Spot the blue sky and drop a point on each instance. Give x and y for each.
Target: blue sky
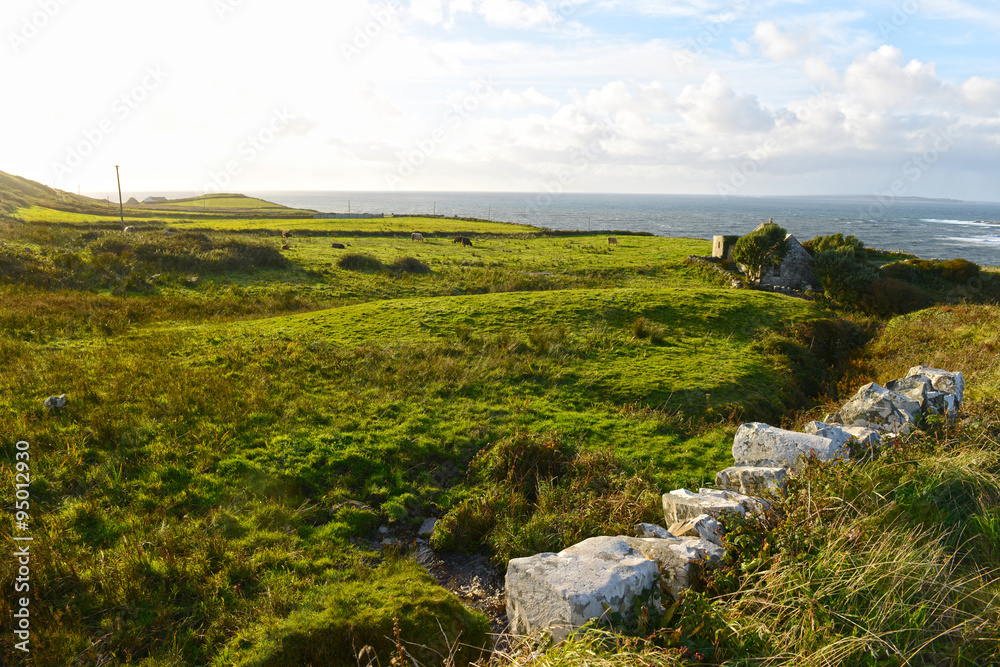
(748, 97)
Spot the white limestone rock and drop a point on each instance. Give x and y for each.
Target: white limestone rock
(948, 382)
(880, 409)
(651, 530)
(866, 437)
(559, 593)
(752, 480)
(701, 527)
(759, 444)
(680, 559)
(681, 504)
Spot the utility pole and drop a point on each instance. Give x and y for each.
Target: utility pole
(121, 206)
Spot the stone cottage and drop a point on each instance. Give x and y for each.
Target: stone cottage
(795, 271)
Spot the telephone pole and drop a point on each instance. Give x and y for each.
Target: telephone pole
(121, 206)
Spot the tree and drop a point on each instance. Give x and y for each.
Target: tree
(761, 250)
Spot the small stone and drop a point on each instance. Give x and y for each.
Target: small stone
(55, 402)
(681, 504)
(702, 527)
(427, 527)
(651, 530)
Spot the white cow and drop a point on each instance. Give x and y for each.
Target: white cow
(416, 236)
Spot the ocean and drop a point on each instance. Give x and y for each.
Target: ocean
(933, 229)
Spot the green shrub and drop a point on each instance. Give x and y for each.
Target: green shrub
(398, 606)
(760, 250)
(933, 274)
(887, 296)
(642, 327)
(844, 275)
(359, 262)
(849, 243)
(409, 265)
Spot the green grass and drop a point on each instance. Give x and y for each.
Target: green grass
(242, 419)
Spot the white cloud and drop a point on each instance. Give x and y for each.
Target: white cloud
(714, 106)
(819, 71)
(775, 44)
(880, 80)
(526, 99)
(982, 93)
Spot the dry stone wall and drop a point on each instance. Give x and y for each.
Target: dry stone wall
(558, 593)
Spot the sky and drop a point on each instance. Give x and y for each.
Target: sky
(730, 97)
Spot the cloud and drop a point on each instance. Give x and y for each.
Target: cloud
(981, 93)
(526, 99)
(773, 43)
(880, 81)
(714, 106)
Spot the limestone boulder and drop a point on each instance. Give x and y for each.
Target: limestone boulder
(878, 408)
(559, 592)
(866, 437)
(752, 480)
(759, 444)
(681, 504)
(702, 527)
(680, 559)
(948, 382)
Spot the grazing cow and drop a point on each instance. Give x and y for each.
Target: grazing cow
(464, 240)
(285, 246)
(416, 236)
(129, 229)
(338, 246)
(286, 235)
(612, 240)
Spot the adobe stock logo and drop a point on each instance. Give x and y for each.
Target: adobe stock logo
(123, 107)
(250, 148)
(33, 24)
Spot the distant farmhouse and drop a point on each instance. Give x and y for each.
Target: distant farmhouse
(795, 271)
(132, 200)
(153, 200)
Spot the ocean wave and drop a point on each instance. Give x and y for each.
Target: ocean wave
(975, 240)
(973, 223)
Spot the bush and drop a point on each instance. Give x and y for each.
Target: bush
(191, 252)
(761, 250)
(849, 243)
(409, 265)
(642, 327)
(844, 275)
(887, 296)
(933, 274)
(359, 262)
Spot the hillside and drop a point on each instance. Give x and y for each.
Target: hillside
(254, 435)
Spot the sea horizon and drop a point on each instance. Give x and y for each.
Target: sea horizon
(938, 228)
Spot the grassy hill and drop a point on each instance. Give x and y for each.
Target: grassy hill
(243, 419)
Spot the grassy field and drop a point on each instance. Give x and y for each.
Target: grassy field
(243, 419)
